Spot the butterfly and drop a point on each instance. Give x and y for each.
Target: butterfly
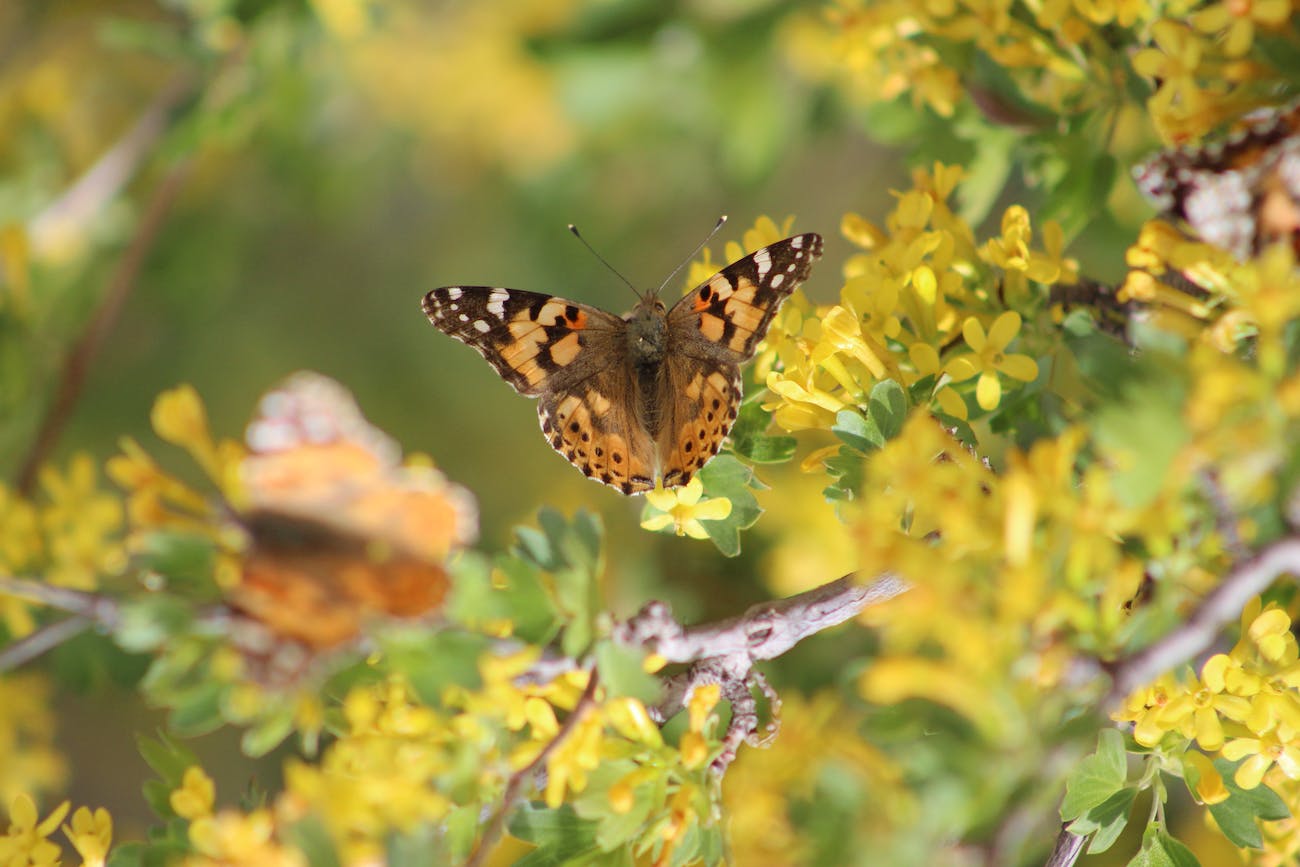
(1242, 191)
(338, 530)
(643, 398)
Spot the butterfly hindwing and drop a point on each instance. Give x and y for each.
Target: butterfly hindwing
(594, 427)
(703, 396)
(534, 341)
(730, 312)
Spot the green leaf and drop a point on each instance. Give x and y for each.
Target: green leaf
(312, 838)
(724, 476)
(167, 758)
(750, 440)
(857, 431)
(887, 406)
(269, 732)
(146, 623)
(1106, 820)
(197, 711)
(1141, 436)
(1237, 815)
(560, 835)
(433, 661)
(1161, 850)
(1098, 777)
(621, 672)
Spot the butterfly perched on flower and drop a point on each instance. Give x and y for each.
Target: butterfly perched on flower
(643, 398)
(339, 530)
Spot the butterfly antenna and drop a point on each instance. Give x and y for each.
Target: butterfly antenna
(574, 230)
(694, 253)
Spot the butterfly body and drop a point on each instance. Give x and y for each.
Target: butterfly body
(634, 399)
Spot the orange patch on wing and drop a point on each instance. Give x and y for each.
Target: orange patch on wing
(712, 327)
(564, 351)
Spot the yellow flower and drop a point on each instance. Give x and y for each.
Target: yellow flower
(1209, 783)
(683, 509)
(1276, 747)
(1235, 21)
(1196, 711)
(91, 835)
(26, 842)
(990, 358)
(234, 839)
(81, 524)
(194, 799)
(178, 417)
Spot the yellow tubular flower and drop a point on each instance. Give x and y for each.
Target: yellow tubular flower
(91, 835)
(1209, 785)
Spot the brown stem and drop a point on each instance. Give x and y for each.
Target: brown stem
(496, 826)
(73, 378)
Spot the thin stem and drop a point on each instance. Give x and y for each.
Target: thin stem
(120, 286)
(48, 637)
(514, 787)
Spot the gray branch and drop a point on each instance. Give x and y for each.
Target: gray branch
(725, 652)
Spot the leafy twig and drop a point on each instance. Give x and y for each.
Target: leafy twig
(514, 787)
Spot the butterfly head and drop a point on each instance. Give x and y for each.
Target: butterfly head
(647, 330)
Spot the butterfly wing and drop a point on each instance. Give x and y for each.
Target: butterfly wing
(727, 315)
(536, 342)
(712, 329)
(339, 531)
(571, 356)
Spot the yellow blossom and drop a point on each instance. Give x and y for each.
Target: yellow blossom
(233, 839)
(196, 795)
(81, 524)
(27, 838)
(1235, 22)
(1209, 786)
(91, 835)
(990, 358)
(683, 509)
(1279, 746)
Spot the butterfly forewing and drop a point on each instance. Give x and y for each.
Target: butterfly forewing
(730, 312)
(533, 341)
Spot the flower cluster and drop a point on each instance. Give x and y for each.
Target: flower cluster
(1243, 705)
(68, 536)
(1059, 55)
(923, 306)
(400, 765)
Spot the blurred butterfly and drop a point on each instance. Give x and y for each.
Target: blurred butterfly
(339, 531)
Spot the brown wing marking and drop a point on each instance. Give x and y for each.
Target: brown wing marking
(596, 435)
(707, 396)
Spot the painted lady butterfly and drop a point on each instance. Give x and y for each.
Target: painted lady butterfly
(647, 397)
(338, 530)
(1240, 193)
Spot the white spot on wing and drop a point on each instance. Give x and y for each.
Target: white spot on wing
(777, 280)
(482, 327)
(454, 292)
(797, 242)
(763, 260)
(496, 303)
